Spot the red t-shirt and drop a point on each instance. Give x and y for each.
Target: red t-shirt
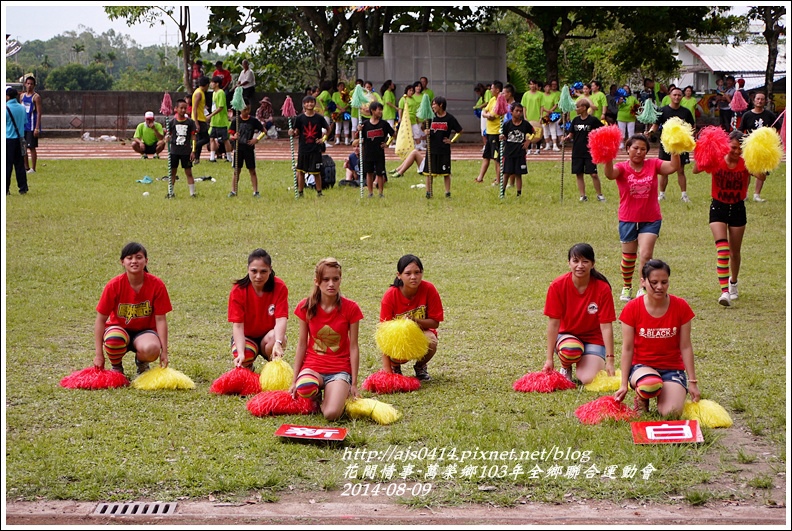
(638, 192)
(730, 186)
(425, 304)
(258, 313)
(328, 336)
(580, 313)
(225, 74)
(657, 338)
(134, 311)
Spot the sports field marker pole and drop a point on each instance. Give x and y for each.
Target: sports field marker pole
(167, 108)
(289, 112)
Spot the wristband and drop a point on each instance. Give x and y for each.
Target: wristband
(279, 342)
(693, 381)
(611, 356)
(456, 137)
(261, 135)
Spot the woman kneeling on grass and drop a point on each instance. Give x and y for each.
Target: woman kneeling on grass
(327, 352)
(131, 315)
(411, 297)
(258, 307)
(656, 346)
(580, 307)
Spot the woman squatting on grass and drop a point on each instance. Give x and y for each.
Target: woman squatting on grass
(131, 313)
(656, 347)
(327, 354)
(412, 297)
(639, 208)
(258, 307)
(580, 308)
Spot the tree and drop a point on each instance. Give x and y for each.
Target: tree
(78, 77)
(772, 18)
(152, 15)
(78, 48)
(98, 57)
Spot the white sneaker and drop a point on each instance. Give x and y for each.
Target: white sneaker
(724, 299)
(583, 198)
(600, 197)
(547, 147)
(338, 141)
(626, 295)
(758, 199)
(685, 198)
(536, 152)
(733, 292)
(31, 170)
(347, 142)
(555, 148)
(661, 196)
(640, 292)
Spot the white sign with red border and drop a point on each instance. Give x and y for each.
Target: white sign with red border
(667, 431)
(316, 433)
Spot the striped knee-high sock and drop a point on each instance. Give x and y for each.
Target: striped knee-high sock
(628, 267)
(722, 247)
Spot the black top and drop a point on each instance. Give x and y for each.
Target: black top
(515, 138)
(580, 130)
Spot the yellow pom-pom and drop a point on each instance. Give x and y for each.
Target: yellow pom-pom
(602, 383)
(276, 375)
(677, 136)
(380, 412)
(163, 378)
(762, 150)
(401, 339)
(709, 413)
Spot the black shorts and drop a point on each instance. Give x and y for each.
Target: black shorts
(684, 157)
(220, 133)
(492, 147)
(310, 162)
(440, 164)
(134, 335)
(375, 165)
(515, 166)
(583, 165)
(31, 140)
(203, 128)
(247, 155)
(149, 149)
(732, 215)
(186, 163)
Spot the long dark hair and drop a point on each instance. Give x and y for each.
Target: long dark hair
(584, 250)
(402, 264)
(133, 248)
(315, 297)
(386, 86)
(653, 265)
(259, 254)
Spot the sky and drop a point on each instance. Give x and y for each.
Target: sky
(26, 21)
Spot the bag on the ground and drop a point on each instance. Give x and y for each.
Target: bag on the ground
(328, 172)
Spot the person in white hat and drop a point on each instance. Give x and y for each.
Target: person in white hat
(149, 137)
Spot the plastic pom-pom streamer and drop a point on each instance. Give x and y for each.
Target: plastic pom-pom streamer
(711, 147)
(762, 150)
(603, 143)
(277, 375)
(166, 108)
(94, 378)
(543, 382)
(237, 381)
(738, 103)
(385, 383)
(677, 136)
(710, 414)
(238, 101)
(401, 339)
(649, 113)
(162, 378)
(379, 412)
(279, 403)
(287, 109)
(501, 105)
(359, 97)
(566, 103)
(425, 109)
(605, 407)
(602, 383)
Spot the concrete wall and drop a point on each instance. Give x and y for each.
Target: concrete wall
(72, 113)
(453, 62)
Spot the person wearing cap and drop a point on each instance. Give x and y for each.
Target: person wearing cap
(15, 132)
(247, 80)
(149, 137)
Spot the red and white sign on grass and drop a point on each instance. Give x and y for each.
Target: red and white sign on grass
(667, 431)
(317, 433)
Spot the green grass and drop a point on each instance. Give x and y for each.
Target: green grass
(491, 260)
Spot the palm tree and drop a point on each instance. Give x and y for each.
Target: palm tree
(98, 57)
(78, 48)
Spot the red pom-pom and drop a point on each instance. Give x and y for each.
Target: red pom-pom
(94, 378)
(280, 403)
(605, 407)
(603, 143)
(738, 103)
(543, 382)
(167, 106)
(501, 105)
(385, 383)
(711, 147)
(287, 110)
(237, 381)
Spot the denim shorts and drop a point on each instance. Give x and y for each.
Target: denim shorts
(589, 348)
(629, 230)
(668, 375)
(333, 376)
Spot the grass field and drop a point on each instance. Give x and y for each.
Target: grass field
(491, 261)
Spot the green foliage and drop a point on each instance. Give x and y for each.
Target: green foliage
(164, 78)
(78, 77)
(62, 244)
